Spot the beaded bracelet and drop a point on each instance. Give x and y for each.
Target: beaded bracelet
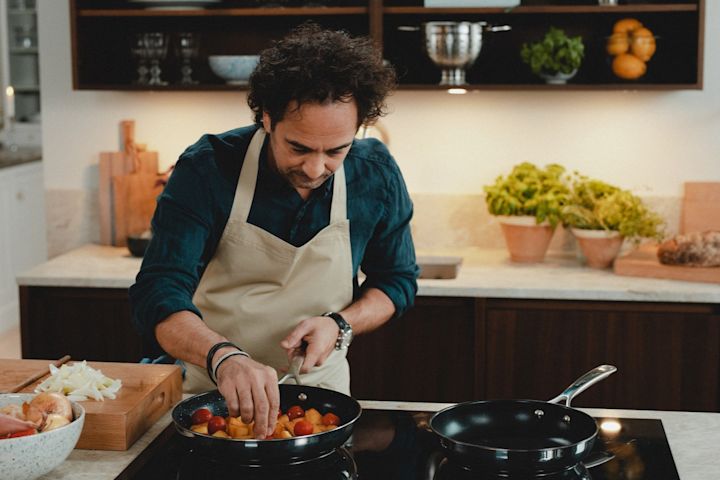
(211, 354)
(222, 359)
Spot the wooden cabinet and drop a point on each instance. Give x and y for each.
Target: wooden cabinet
(426, 355)
(103, 33)
(456, 349)
(668, 355)
(85, 323)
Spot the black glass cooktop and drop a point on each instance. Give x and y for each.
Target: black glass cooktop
(397, 445)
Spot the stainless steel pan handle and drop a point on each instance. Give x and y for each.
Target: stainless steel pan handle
(584, 382)
(296, 364)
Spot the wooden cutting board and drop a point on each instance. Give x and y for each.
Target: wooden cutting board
(127, 189)
(148, 391)
(700, 207)
(643, 262)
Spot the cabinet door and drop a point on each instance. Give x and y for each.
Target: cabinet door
(28, 241)
(8, 303)
(426, 355)
(85, 323)
(666, 354)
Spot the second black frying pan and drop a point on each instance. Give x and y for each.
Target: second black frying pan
(273, 450)
(520, 435)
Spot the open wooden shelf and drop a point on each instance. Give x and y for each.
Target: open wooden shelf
(102, 59)
(559, 9)
(225, 12)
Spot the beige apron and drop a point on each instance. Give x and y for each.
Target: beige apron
(257, 287)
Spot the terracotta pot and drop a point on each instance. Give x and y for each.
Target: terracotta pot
(600, 247)
(526, 241)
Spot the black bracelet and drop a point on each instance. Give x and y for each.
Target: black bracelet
(213, 377)
(211, 354)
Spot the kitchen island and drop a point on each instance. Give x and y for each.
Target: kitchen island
(498, 330)
(693, 439)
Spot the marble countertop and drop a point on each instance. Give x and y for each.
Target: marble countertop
(485, 273)
(9, 158)
(693, 439)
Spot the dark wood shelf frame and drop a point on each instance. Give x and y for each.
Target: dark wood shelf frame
(494, 69)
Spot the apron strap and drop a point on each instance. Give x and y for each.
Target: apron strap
(338, 207)
(245, 190)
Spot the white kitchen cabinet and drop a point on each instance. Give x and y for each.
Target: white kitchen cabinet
(23, 241)
(19, 65)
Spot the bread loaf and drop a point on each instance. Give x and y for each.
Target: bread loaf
(696, 249)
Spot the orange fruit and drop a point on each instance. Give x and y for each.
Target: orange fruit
(643, 44)
(626, 25)
(628, 66)
(618, 43)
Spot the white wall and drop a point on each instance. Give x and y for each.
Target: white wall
(648, 141)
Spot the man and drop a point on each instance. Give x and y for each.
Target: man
(260, 231)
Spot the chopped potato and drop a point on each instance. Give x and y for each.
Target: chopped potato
(313, 416)
(221, 433)
(200, 428)
(237, 431)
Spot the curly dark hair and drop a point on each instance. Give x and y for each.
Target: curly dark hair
(315, 65)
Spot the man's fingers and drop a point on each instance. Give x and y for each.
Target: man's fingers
(273, 393)
(231, 400)
(246, 403)
(262, 407)
(312, 358)
(294, 339)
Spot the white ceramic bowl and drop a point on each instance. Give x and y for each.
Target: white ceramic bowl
(25, 458)
(234, 69)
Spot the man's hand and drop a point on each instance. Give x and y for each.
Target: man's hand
(320, 333)
(251, 390)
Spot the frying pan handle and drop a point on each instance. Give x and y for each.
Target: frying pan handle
(584, 382)
(597, 458)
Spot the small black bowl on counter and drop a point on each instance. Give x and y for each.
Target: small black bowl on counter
(137, 244)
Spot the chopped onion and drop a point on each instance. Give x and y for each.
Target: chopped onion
(79, 382)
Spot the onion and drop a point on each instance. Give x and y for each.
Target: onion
(80, 382)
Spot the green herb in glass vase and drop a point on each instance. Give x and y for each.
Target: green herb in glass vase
(556, 58)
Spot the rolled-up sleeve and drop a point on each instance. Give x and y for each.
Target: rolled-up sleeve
(389, 262)
(174, 262)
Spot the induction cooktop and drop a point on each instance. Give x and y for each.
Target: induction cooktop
(397, 445)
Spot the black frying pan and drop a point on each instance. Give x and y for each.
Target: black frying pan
(274, 450)
(520, 435)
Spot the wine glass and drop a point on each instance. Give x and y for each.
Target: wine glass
(157, 45)
(186, 48)
(140, 52)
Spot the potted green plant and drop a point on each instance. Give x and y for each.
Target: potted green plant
(528, 203)
(601, 216)
(556, 57)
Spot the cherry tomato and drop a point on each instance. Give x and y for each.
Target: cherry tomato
(23, 433)
(201, 415)
(330, 419)
(303, 427)
(295, 412)
(216, 423)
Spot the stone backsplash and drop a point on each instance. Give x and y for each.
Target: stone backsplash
(440, 221)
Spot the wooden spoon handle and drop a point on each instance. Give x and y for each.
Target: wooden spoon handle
(36, 376)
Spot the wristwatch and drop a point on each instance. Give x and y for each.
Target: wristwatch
(346, 334)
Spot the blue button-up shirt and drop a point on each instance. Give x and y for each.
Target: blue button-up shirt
(194, 207)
